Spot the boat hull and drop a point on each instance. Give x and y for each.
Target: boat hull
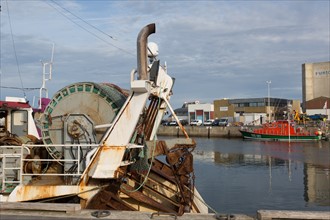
(270, 137)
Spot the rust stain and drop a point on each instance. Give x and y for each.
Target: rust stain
(127, 112)
(112, 148)
(36, 192)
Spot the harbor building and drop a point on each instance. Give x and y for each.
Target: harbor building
(200, 111)
(194, 111)
(254, 110)
(315, 83)
(320, 105)
(182, 113)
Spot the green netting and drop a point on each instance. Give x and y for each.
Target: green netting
(141, 166)
(117, 97)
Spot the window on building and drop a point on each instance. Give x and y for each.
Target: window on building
(245, 104)
(192, 116)
(206, 116)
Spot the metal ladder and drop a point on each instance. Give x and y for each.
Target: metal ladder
(8, 168)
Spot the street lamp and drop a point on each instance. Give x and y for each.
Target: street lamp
(268, 108)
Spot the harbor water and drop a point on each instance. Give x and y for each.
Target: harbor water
(240, 176)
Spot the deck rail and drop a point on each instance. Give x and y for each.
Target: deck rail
(14, 158)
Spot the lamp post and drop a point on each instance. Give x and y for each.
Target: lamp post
(268, 108)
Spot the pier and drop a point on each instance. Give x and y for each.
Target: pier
(201, 131)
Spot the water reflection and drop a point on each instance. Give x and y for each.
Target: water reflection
(244, 176)
(317, 187)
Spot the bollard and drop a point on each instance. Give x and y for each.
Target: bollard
(208, 131)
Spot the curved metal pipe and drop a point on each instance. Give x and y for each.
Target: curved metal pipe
(142, 40)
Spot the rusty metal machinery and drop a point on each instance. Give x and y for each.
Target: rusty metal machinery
(168, 187)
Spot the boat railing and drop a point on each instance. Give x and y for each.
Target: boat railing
(10, 166)
(14, 160)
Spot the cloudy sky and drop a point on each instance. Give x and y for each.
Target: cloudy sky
(214, 49)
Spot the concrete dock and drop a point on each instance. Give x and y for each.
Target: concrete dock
(43, 211)
(201, 131)
(51, 211)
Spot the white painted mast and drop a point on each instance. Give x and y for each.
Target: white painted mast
(46, 76)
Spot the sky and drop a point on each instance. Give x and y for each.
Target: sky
(213, 49)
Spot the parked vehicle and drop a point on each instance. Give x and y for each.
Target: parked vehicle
(317, 117)
(216, 122)
(175, 123)
(208, 122)
(223, 122)
(165, 122)
(184, 122)
(196, 122)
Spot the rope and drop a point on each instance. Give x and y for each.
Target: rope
(202, 201)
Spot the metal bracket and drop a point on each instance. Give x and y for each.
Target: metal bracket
(163, 213)
(101, 213)
(131, 146)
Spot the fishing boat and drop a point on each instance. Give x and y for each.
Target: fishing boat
(282, 130)
(95, 146)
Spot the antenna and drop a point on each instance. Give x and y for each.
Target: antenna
(46, 76)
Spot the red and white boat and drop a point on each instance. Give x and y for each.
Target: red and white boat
(282, 130)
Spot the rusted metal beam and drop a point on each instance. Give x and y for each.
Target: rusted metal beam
(139, 196)
(156, 184)
(108, 200)
(151, 116)
(163, 170)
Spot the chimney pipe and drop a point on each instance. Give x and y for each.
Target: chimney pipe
(142, 50)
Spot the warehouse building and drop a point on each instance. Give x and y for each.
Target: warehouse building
(200, 111)
(315, 84)
(255, 110)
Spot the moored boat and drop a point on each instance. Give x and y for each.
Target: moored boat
(281, 130)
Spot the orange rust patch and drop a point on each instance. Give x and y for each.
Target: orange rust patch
(33, 192)
(107, 148)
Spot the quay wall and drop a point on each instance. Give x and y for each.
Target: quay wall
(214, 131)
(200, 131)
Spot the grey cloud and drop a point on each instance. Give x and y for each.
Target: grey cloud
(214, 49)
